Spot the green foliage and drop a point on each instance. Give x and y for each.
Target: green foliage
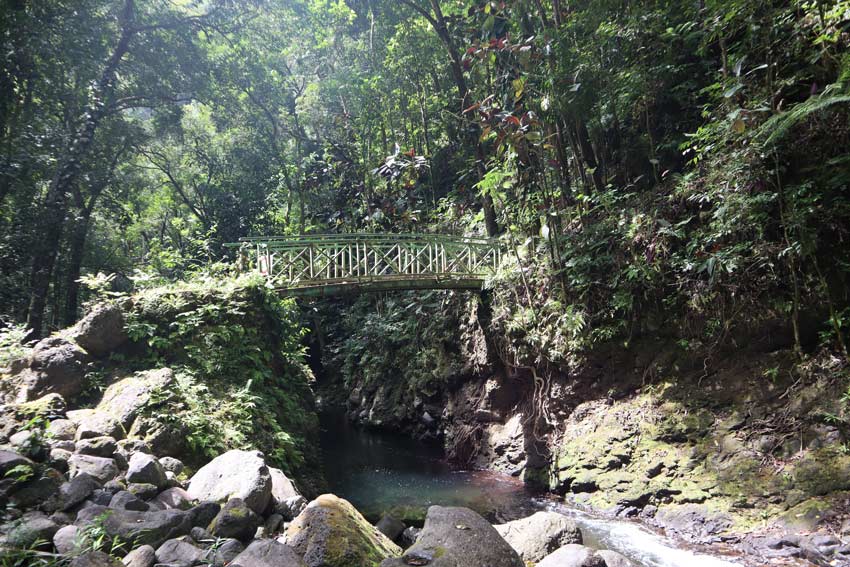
(236, 350)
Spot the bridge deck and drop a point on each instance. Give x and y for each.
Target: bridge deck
(337, 263)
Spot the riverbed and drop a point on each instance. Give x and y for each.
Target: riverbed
(381, 473)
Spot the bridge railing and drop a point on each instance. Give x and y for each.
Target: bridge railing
(304, 261)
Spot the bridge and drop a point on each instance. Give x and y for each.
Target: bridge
(330, 264)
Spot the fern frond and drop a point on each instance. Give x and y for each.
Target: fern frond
(778, 126)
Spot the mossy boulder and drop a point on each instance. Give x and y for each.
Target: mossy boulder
(330, 532)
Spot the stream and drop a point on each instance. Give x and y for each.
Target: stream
(382, 473)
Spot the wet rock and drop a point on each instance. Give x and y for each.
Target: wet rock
(614, 559)
(457, 536)
(125, 398)
(538, 535)
(573, 555)
(391, 527)
(101, 331)
(144, 556)
(144, 468)
(174, 498)
(235, 474)
(331, 533)
(57, 366)
(100, 468)
(65, 539)
(179, 552)
(126, 501)
(97, 446)
(269, 553)
(235, 520)
(30, 528)
(95, 559)
(134, 528)
(73, 492)
(99, 424)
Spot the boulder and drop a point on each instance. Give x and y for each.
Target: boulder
(282, 487)
(138, 528)
(179, 552)
(144, 556)
(614, 559)
(457, 537)
(540, 534)
(268, 553)
(124, 500)
(99, 424)
(174, 498)
(331, 533)
(58, 459)
(31, 528)
(101, 468)
(73, 492)
(203, 514)
(101, 331)
(127, 447)
(62, 430)
(10, 459)
(125, 398)
(227, 551)
(391, 527)
(57, 366)
(146, 469)
(36, 491)
(166, 439)
(143, 490)
(235, 520)
(573, 555)
(235, 474)
(95, 559)
(97, 446)
(65, 539)
(291, 507)
(170, 464)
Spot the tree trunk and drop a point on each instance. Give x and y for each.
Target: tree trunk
(75, 262)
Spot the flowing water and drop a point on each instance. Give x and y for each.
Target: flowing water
(381, 473)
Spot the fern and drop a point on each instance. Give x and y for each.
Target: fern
(777, 127)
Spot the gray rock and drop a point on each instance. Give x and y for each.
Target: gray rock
(126, 501)
(540, 534)
(143, 490)
(101, 497)
(101, 331)
(165, 439)
(176, 498)
(273, 523)
(62, 430)
(235, 520)
(204, 513)
(138, 528)
(282, 488)
(24, 441)
(99, 424)
(201, 536)
(144, 468)
(235, 474)
(614, 559)
(56, 366)
(178, 552)
(291, 507)
(125, 398)
(73, 492)
(127, 447)
(170, 464)
(453, 537)
(115, 485)
(65, 539)
(29, 529)
(227, 552)
(58, 459)
(409, 536)
(391, 527)
(36, 491)
(101, 468)
(97, 446)
(268, 553)
(95, 559)
(573, 555)
(144, 556)
(10, 460)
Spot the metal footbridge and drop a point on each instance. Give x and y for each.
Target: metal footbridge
(330, 264)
